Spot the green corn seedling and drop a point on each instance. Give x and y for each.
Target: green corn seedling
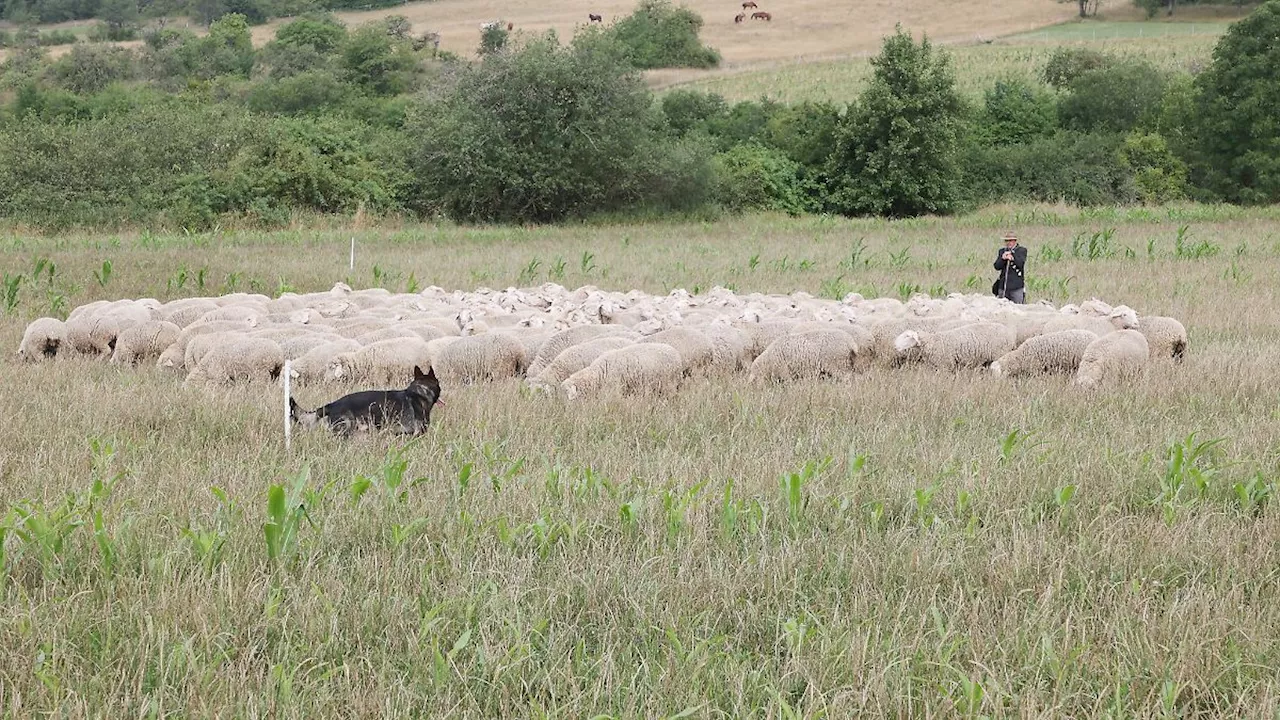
(285, 513)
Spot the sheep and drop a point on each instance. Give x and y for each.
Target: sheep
(884, 334)
(1119, 318)
(861, 335)
(637, 369)
(93, 335)
(761, 333)
(387, 361)
(1056, 352)
(203, 328)
(1166, 337)
(575, 358)
(42, 339)
(296, 347)
(248, 314)
(388, 333)
(696, 349)
(572, 336)
(1119, 355)
(728, 347)
(489, 356)
(185, 311)
(312, 365)
(812, 354)
(966, 347)
(144, 341)
(238, 360)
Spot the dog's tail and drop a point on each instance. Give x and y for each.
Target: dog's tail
(303, 417)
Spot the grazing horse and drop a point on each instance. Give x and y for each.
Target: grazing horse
(595, 18)
(739, 17)
(761, 16)
(749, 4)
(511, 26)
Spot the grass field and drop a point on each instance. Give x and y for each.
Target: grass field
(800, 29)
(908, 544)
(977, 67)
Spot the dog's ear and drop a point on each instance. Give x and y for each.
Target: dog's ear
(431, 373)
(417, 374)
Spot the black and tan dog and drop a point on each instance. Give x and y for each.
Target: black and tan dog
(407, 411)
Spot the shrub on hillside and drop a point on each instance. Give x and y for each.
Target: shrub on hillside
(1015, 111)
(805, 132)
(1158, 175)
(895, 151)
(1120, 97)
(687, 110)
(752, 176)
(660, 35)
(377, 61)
(90, 68)
(543, 132)
(1068, 63)
(1080, 169)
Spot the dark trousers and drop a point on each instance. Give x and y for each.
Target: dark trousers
(1018, 296)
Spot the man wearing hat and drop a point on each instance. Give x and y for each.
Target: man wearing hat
(1010, 262)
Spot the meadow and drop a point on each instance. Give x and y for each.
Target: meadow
(1183, 48)
(906, 544)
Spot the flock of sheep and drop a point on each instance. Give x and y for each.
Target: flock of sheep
(587, 341)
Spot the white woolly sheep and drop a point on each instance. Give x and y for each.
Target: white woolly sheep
(312, 365)
(966, 347)
(693, 346)
(42, 339)
(1121, 317)
(1166, 337)
(812, 354)
(575, 358)
(186, 311)
(384, 362)
(144, 341)
(728, 347)
(1116, 356)
(885, 333)
(638, 369)
(93, 335)
(1056, 352)
(489, 356)
(296, 347)
(762, 333)
(572, 336)
(238, 360)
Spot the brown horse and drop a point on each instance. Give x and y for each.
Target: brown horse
(595, 18)
(761, 16)
(739, 17)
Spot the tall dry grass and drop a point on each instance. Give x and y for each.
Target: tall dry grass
(906, 544)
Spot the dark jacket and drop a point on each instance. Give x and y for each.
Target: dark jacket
(1015, 279)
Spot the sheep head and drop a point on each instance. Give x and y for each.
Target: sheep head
(907, 340)
(1124, 317)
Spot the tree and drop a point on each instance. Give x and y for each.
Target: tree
(1118, 97)
(659, 35)
(895, 150)
(1014, 111)
(1239, 110)
(377, 61)
(121, 17)
(542, 132)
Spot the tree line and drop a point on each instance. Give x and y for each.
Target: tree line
(191, 129)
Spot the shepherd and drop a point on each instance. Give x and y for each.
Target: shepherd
(1011, 262)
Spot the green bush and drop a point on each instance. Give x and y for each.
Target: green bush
(687, 110)
(88, 69)
(1120, 97)
(1015, 111)
(321, 31)
(805, 132)
(1070, 167)
(1068, 63)
(752, 176)
(544, 132)
(1158, 175)
(314, 92)
(117, 168)
(660, 35)
(492, 39)
(378, 62)
(1238, 104)
(895, 151)
(50, 38)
